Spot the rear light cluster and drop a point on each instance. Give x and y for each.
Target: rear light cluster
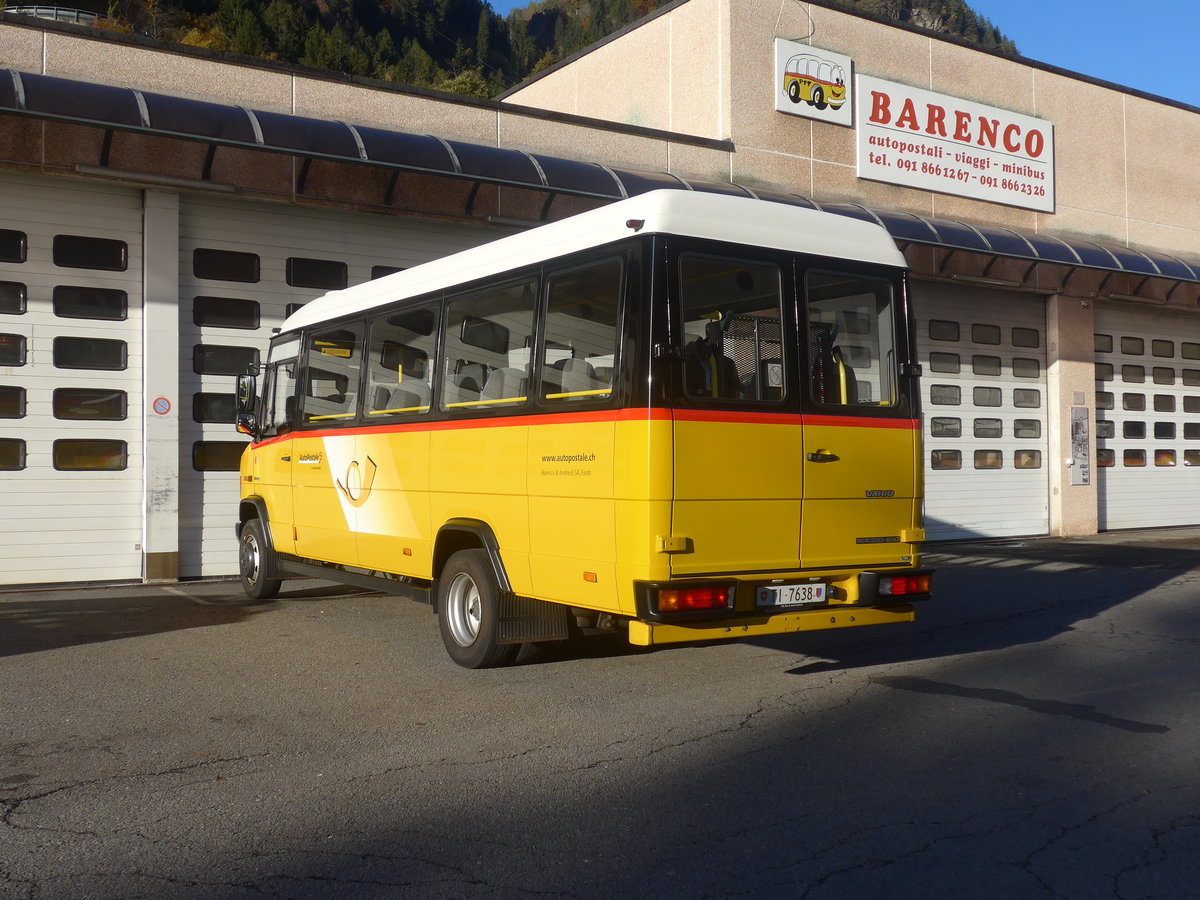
(905, 585)
(696, 597)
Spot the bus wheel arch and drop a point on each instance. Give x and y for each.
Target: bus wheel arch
(468, 607)
(256, 561)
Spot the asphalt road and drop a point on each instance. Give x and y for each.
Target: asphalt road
(1034, 734)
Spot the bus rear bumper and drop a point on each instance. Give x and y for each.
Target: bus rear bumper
(649, 634)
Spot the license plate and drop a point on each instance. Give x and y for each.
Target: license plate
(786, 595)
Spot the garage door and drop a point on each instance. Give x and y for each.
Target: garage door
(243, 268)
(984, 396)
(1148, 417)
(70, 381)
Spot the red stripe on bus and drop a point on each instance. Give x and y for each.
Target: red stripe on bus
(653, 414)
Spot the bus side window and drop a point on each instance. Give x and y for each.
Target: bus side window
(332, 375)
(489, 335)
(579, 349)
(401, 361)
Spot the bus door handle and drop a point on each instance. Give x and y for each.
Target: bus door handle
(285, 459)
(823, 456)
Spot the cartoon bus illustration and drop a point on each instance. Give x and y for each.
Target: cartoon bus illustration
(816, 81)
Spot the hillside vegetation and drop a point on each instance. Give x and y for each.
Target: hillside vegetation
(453, 45)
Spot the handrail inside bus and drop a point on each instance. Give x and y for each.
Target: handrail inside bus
(402, 409)
(491, 402)
(604, 392)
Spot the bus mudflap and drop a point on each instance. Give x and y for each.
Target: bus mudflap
(525, 620)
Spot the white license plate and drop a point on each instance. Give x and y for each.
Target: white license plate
(784, 595)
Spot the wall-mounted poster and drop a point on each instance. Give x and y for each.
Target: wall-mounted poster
(936, 142)
(812, 82)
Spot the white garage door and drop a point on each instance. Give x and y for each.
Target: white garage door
(243, 267)
(1148, 417)
(70, 381)
(984, 397)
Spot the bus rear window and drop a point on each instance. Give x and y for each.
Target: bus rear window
(851, 340)
(732, 341)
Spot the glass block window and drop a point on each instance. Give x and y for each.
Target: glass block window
(1026, 368)
(1191, 431)
(1163, 375)
(1164, 458)
(945, 394)
(1133, 346)
(12, 454)
(90, 455)
(326, 274)
(1164, 403)
(214, 407)
(225, 312)
(947, 363)
(12, 401)
(217, 456)
(985, 334)
(12, 349)
(1027, 398)
(98, 404)
(943, 330)
(1162, 349)
(1133, 374)
(12, 298)
(1106, 429)
(225, 265)
(985, 365)
(1164, 431)
(1191, 457)
(1027, 429)
(71, 302)
(1026, 337)
(1106, 459)
(988, 396)
(1134, 458)
(1104, 372)
(1104, 343)
(90, 353)
(13, 246)
(1105, 400)
(1189, 350)
(76, 251)
(1027, 459)
(942, 426)
(989, 428)
(215, 359)
(989, 459)
(1133, 402)
(1134, 431)
(942, 460)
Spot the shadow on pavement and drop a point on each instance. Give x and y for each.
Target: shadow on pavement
(49, 620)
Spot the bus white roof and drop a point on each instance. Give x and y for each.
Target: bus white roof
(736, 220)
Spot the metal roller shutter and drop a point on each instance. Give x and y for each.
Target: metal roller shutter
(1148, 417)
(243, 266)
(70, 381)
(984, 396)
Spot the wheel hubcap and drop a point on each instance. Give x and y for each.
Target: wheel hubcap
(250, 559)
(463, 610)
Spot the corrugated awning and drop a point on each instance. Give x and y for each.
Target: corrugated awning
(126, 109)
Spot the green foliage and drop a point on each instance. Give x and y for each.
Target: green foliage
(453, 45)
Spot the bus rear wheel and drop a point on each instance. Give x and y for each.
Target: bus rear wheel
(468, 612)
(254, 558)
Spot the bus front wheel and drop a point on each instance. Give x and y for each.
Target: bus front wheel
(468, 612)
(254, 556)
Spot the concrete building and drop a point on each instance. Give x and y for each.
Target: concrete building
(163, 209)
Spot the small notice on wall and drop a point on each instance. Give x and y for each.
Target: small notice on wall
(813, 83)
(934, 142)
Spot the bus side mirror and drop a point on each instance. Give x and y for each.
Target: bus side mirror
(247, 391)
(247, 423)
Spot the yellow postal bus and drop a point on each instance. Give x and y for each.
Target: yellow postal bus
(688, 416)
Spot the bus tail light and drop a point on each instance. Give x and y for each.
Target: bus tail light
(908, 584)
(684, 600)
(700, 597)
